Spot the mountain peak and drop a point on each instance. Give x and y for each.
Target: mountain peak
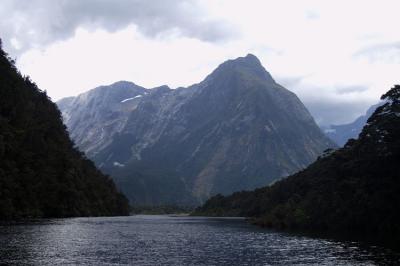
(122, 83)
(248, 60)
(249, 65)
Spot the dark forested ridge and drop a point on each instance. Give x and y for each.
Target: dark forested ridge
(354, 191)
(41, 173)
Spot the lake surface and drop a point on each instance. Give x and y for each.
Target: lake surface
(167, 240)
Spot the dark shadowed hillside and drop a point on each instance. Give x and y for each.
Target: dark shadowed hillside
(354, 191)
(41, 174)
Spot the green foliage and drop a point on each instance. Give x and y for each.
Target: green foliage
(41, 173)
(353, 191)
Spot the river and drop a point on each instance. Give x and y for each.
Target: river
(173, 240)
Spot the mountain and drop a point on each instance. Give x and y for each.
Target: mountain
(41, 174)
(238, 129)
(353, 191)
(340, 134)
(103, 112)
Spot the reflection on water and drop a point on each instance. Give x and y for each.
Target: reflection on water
(155, 240)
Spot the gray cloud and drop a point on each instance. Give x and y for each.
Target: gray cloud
(328, 108)
(327, 112)
(36, 23)
(351, 89)
(385, 52)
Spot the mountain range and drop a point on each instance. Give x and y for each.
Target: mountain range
(237, 129)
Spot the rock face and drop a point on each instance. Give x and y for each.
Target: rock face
(95, 116)
(238, 129)
(340, 134)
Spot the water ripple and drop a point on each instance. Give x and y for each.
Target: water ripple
(165, 240)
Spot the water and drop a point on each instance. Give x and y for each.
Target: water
(166, 240)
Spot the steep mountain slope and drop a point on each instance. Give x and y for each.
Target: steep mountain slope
(102, 111)
(354, 191)
(340, 134)
(41, 174)
(237, 129)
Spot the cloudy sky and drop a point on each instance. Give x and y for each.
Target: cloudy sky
(337, 56)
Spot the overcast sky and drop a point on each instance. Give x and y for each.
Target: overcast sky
(337, 56)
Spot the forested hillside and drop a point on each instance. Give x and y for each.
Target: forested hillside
(41, 173)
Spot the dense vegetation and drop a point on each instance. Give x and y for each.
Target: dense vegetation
(353, 191)
(41, 173)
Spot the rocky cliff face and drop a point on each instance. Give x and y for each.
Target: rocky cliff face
(238, 129)
(95, 116)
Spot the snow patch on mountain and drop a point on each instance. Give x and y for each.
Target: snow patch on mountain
(330, 130)
(117, 164)
(129, 99)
